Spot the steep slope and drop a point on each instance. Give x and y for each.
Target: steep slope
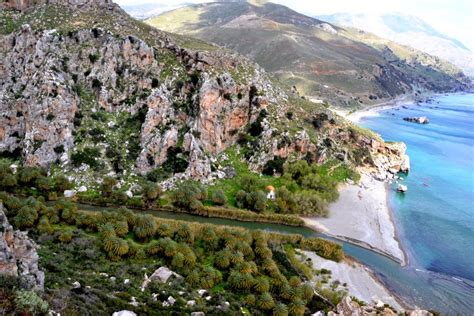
(309, 53)
(85, 87)
(412, 31)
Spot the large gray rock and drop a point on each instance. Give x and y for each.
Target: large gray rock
(18, 256)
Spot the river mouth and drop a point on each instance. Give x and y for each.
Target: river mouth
(415, 288)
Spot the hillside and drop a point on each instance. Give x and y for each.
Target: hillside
(315, 56)
(411, 31)
(176, 107)
(104, 110)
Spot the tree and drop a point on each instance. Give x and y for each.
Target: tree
(62, 183)
(189, 195)
(223, 258)
(178, 260)
(284, 202)
(297, 307)
(121, 228)
(298, 170)
(8, 182)
(265, 301)
(280, 310)
(309, 203)
(184, 234)
(28, 175)
(26, 217)
(44, 184)
(151, 192)
(44, 227)
(209, 237)
(261, 285)
(107, 186)
(219, 198)
(145, 226)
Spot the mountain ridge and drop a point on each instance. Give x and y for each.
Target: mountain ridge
(322, 60)
(412, 31)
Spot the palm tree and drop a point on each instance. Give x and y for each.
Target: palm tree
(297, 307)
(26, 217)
(128, 215)
(178, 260)
(223, 258)
(294, 281)
(44, 226)
(236, 257)
(184, 234)
(307, 292)
(115, 246)
(250, 299)
(121, 228)
(145, 226)
(208, 235)
(164, 230)
(262, 285)
(280, 310)
(107, 231)
(193, 278)
(154, 247)
(265, 301)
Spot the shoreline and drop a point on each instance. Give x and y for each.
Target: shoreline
(362, 282)
(363, 216)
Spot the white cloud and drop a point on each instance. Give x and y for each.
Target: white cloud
(452, 17)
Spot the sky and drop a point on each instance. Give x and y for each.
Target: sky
(452, 17)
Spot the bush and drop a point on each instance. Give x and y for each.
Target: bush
(219, 198)
(30, 302)
(189, 195)
(87, 156)
(107, 186)
(309, 203)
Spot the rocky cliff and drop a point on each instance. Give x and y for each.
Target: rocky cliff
(85, 86)
(18, 256)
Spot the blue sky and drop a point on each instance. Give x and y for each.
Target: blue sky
(452, 17)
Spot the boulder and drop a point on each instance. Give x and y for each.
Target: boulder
(419, 120)
(402, 188)
(124, 313)
(70, 194)
(163, 274)
(82, 189)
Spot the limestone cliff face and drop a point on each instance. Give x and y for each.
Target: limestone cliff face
(48, 80)
(22, 5)
(18, 256)
(95, 89)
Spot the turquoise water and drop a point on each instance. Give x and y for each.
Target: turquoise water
(436, 216)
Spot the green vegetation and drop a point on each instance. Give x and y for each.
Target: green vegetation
(231, 263)
(302, 188)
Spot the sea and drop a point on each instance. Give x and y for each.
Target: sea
(435, 218)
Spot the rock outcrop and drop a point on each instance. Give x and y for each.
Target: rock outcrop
(18, 256)
(348, 307)
(22, 5)
(419, 120)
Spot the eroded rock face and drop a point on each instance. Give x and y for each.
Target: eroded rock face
(18, 256)
(44, 75)
(348, 307)
(22, 5)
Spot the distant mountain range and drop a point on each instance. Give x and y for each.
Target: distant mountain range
(344, 66)
(409, 30)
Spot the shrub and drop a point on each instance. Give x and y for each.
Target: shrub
(87, 156)
(309, 203)
(8, 182)
(62, 183)
(65, 237)
(26, 217)
(188, 195)
(145, 226)
(107, 186)
(219, 198)
(151, 191)
(30, 302)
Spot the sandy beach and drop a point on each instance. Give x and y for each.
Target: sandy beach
(362, 216)
(373, 110)
(360, 280)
